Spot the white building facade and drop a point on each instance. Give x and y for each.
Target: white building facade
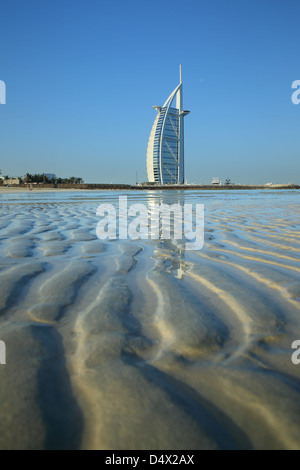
(165, 152)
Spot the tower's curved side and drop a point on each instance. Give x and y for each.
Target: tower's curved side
(152, 153)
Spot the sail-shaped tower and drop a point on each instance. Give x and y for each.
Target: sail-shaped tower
(165, 152)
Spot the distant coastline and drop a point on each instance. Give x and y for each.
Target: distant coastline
(150, 187)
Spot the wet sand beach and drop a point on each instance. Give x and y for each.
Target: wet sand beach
(141, 344)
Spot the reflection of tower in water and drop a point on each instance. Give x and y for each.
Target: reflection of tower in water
(171, 249)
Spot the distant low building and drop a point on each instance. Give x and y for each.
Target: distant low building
(11, 181)
(216, 181)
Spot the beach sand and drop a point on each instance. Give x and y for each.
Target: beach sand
(140, 344)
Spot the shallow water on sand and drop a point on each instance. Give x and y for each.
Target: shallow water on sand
(141, 344)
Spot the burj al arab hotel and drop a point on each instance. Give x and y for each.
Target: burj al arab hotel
(165, 152)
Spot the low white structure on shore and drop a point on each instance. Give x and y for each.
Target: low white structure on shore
(11, 181)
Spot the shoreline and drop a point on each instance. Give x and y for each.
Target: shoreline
(127, 187)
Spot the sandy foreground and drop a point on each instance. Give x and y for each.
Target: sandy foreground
(140, 344)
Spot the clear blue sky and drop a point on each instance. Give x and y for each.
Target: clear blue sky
(82, 77)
